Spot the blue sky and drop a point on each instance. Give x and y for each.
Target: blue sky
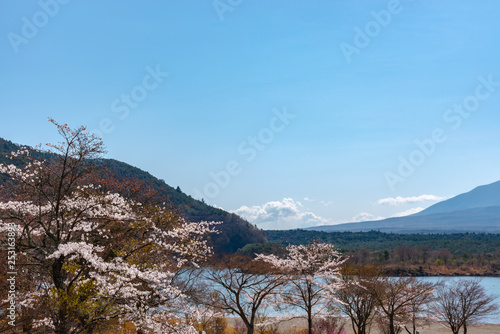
(289, 113)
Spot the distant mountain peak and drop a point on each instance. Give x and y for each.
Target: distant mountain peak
(475, 211)
(480, 197)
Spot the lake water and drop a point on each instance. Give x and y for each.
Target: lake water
(490, 284)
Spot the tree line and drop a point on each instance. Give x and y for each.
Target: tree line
(456, 243)
(410, 261)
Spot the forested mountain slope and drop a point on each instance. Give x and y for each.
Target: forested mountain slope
(235, 232)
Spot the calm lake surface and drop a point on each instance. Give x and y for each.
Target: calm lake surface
(490, 284)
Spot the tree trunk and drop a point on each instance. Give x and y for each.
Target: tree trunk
(27, 327)
(359, 327)
(355, 327)
(362, 329)
(250, 329)
(61, 323)
(62, 327)
(414, 326)
(309, 321)
(391, 325)
(465, 327)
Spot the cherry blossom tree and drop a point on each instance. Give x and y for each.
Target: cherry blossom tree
(313, 276)
(92, 255)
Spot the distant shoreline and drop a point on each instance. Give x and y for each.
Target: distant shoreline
(438, 271)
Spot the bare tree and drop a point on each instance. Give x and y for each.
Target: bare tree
(405, 254)
(398, 298)
(418, 309)
(444, 255)
(357, 300)
(242, 286)
(462, 303)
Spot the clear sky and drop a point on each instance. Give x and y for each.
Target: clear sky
(291, 113)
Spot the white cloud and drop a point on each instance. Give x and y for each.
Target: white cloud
(326, 203)
(408, 212)
(405, 200)
(364, 216)
(307, 199)
(285, 214)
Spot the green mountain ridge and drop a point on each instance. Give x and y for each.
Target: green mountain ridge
(234, 233)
